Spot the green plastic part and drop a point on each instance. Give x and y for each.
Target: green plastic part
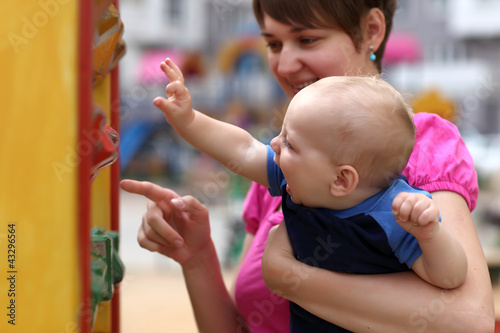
(107, 267)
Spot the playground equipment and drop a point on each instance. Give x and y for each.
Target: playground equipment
(59, 139)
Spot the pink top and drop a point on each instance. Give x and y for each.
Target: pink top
(440, 161)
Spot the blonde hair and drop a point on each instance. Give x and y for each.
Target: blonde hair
(372, 127)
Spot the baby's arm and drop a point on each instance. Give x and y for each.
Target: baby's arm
(232, 146)
(443, 262)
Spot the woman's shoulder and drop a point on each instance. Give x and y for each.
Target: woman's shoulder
(430, 124)
(440, 160)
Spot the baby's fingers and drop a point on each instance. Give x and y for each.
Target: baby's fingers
(428, 214)
(402, 206)
(177, 90)
(172, 71)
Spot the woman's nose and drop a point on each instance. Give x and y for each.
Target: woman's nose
(288, 62)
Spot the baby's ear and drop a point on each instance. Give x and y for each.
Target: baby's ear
(345, 181)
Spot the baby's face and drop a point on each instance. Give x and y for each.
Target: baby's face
(301, 154)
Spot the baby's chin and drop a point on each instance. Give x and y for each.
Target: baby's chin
(290, 193)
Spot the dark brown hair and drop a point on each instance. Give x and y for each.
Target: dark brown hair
(346, 15)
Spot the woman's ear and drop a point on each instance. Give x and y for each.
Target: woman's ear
(346, 180)
(374, 28)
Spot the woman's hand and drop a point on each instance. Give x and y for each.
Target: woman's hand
(177, 227)
(278, 262)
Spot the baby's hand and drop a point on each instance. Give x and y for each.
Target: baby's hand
(178, 109)
(417, 214)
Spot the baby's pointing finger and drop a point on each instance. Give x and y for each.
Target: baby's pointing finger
(176, 70)
(171, 71)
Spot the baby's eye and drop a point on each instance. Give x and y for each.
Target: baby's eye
(287, 144)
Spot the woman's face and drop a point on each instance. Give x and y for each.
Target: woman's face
(299, 56)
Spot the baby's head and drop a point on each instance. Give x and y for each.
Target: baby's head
(362, 122)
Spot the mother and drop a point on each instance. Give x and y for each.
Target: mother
(308, 40)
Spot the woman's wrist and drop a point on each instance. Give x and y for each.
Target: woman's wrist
(204, 256)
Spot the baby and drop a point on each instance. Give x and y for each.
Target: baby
(337, 164)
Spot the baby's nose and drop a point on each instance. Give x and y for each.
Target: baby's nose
(275, 145)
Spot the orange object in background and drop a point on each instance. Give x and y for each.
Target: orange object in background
(108, 46)
(432, 101)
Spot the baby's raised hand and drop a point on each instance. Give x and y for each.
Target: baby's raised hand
(177, 107)
(417, 214)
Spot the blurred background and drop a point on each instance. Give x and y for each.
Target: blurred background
(443, 54)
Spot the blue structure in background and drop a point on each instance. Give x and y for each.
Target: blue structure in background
(132, 137)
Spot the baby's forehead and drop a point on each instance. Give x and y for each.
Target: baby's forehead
(309, 116)
(316, 100)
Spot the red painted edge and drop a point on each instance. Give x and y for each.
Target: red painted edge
(115, 180)
(84, 124)
(115, 191)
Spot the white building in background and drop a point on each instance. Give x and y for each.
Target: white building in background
(157, 24)
(187, 25)
(460, 42)
(474, 19)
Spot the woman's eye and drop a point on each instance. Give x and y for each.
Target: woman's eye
(273, 46)
(307, 41)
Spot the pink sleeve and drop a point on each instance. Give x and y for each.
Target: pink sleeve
(251, 208)
(258, 206)
(440, 160)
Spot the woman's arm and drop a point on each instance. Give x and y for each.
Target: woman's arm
(179, 228)
(398, 302)
(213, 306)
